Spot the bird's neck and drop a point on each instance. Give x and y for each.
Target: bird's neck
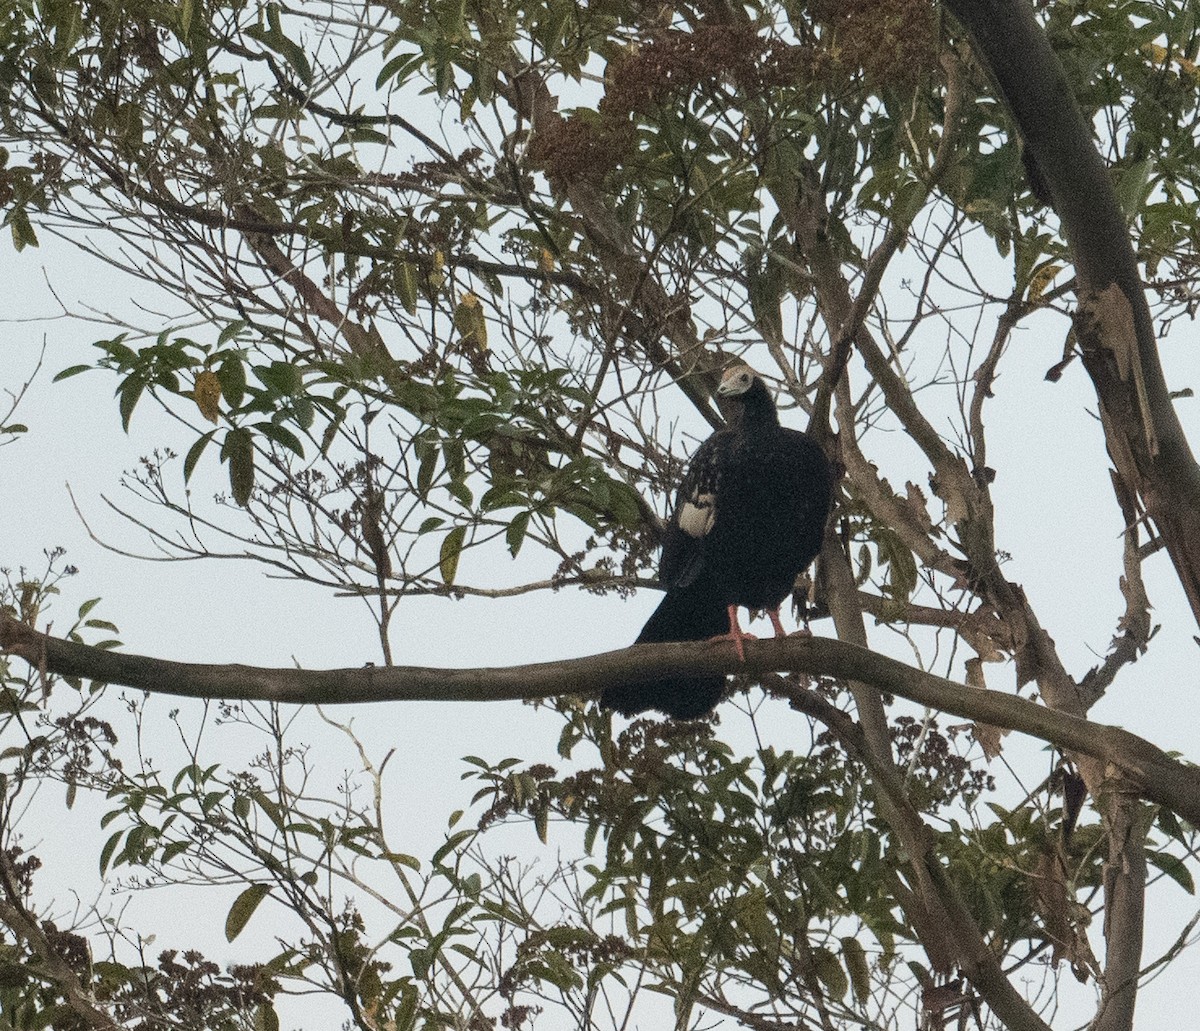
(758, 409)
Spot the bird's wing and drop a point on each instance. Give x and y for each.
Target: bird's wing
(695, 514)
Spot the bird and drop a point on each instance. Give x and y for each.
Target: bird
(749, 517)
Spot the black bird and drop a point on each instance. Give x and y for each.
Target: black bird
(749, 517)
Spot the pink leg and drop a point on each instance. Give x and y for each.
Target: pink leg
(803, 631)
(773, 615)
(736, 634)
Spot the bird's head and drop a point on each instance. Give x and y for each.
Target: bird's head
(736, 380)
(744, 399)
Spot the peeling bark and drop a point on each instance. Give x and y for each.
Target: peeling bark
(1145, 439)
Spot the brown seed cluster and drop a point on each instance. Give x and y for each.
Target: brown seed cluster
(676, 63)
(888, 43)
(583, 147)
(892, 42)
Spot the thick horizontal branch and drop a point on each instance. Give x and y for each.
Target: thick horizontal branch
(1149, 770)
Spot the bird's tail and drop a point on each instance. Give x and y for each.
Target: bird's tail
(687, 614)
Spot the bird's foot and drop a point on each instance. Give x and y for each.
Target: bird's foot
(735, 634)
(737, 637)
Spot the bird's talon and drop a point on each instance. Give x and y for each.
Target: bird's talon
(737, 637)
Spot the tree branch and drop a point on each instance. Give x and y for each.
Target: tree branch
(1150, 772)
(1144, 436)
(51, 966)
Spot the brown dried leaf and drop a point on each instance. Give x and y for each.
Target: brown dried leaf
(371, 524)
(918, 507)
(1054, 373)
(975, 676)
(987, 634)
(989, 737)
(1052, 902)
(1058, 911)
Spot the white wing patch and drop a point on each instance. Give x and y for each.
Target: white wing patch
(697, 515)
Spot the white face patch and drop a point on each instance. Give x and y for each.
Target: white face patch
(696, 516)
(736, 381)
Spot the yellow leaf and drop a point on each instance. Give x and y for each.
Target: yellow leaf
(1155, 52)
(1042, 278)
(207, 394)
(452, 547)
(546, 260)
(470, 321)
(437, 275)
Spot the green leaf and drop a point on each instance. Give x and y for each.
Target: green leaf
(406, 1009)
(452, 547)
(110, 847)
(243, 909)
(273, 38)
(238, 450)
(265, 1018)
(232, 375)
(74, 370)
(22, 230)
(176, 848)
(623, 504)
(1169, 825)
(855, 958)
(14, 427)
(281, 378)
(194, 453)
(428, 453)
(830, 973)
(398, 67)
(405, 282)
(451, 843)
(331, 430)
(283, 437)
(1133, 186)
(128, 393)
(515, 534)
(270, 807)
(230, 332)
(1174, 868)
(304, 412)
(102, 624)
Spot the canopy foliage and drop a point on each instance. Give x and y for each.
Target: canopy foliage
(455, 282)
